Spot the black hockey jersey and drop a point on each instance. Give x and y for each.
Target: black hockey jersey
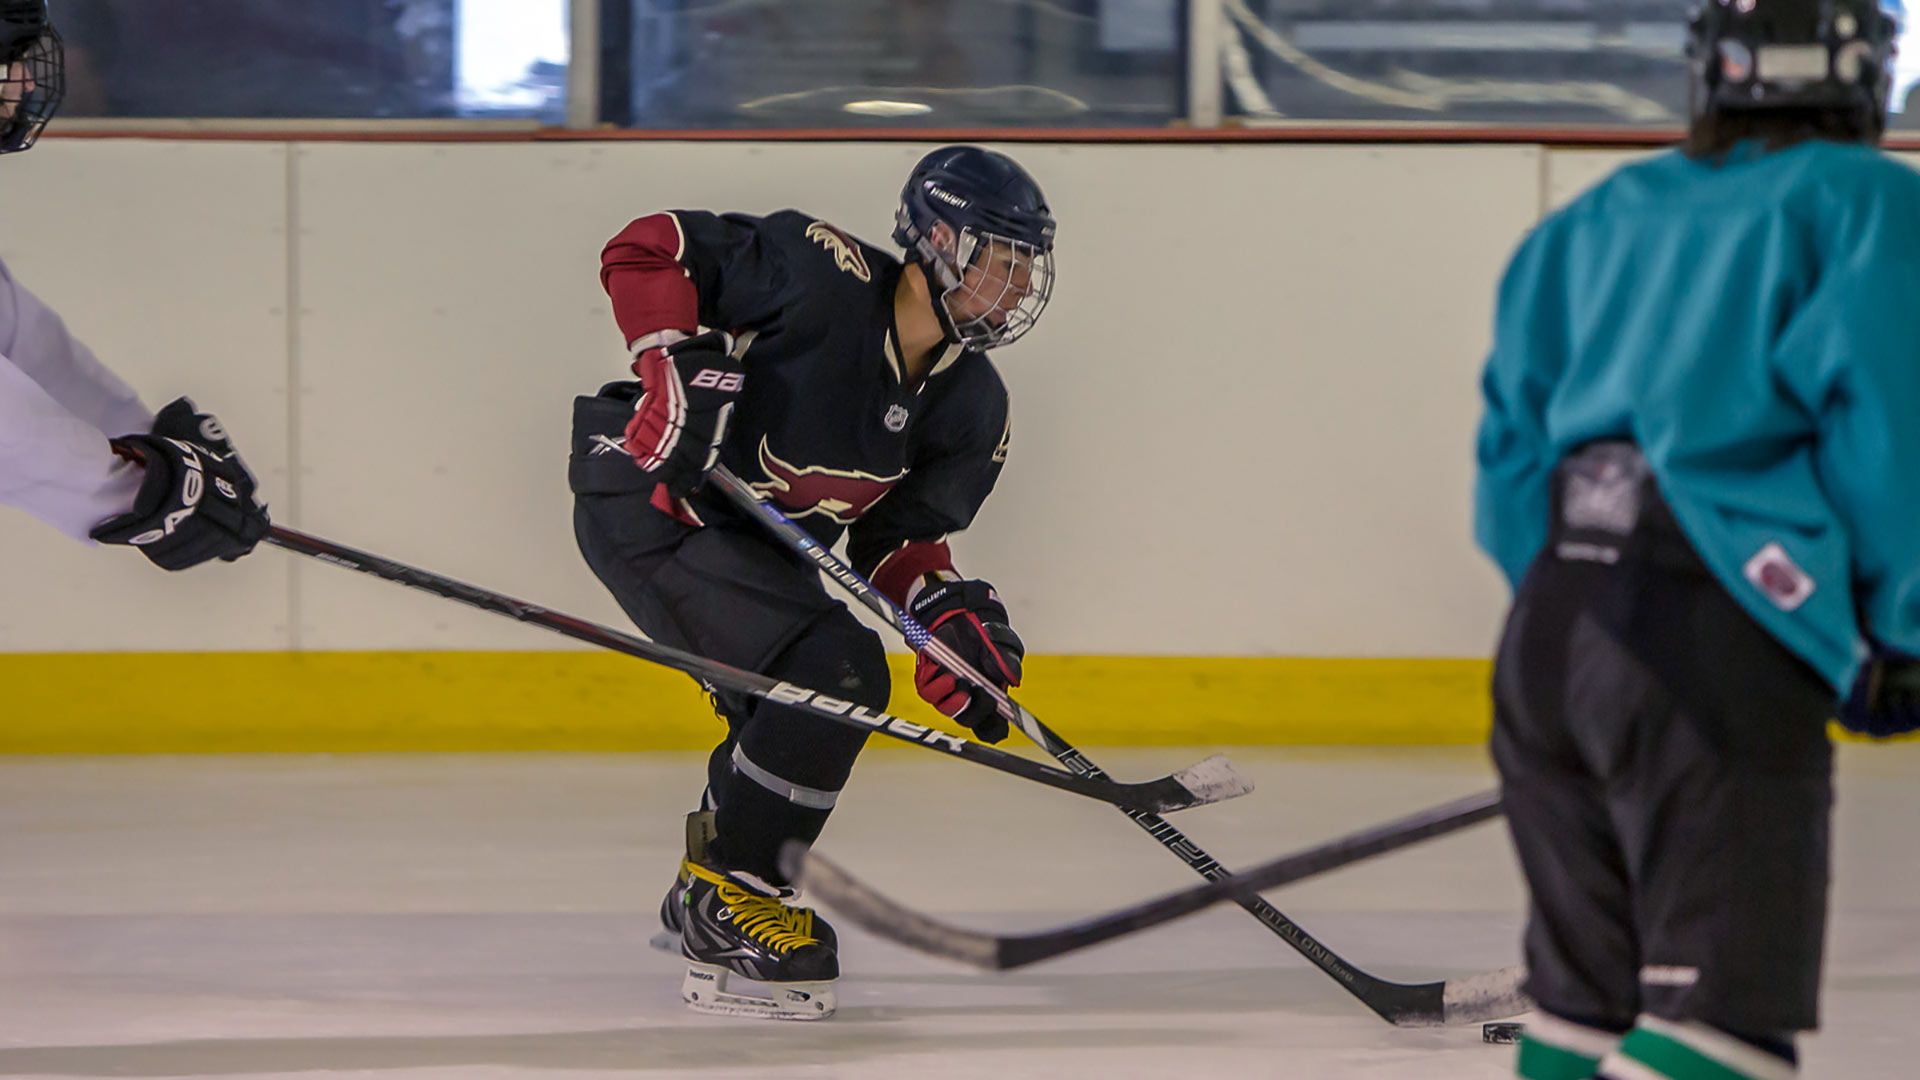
(826, 424)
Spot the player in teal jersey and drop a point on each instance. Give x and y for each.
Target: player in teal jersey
(1699, 465)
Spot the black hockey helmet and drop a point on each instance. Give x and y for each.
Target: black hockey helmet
(35, 78)
(997, 223)
(1750, 55)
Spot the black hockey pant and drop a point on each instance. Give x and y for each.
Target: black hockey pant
(731, 593)
(1666, 773)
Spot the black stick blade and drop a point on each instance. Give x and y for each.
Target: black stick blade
(848, 896)
(826, 882)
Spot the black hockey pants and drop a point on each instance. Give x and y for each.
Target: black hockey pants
(731, 593)
(1666, 772)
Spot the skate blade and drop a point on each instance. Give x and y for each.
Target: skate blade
(711, 989)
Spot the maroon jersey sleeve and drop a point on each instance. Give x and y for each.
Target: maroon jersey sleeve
(684, 269)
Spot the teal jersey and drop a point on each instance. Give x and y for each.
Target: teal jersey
(1754, 326)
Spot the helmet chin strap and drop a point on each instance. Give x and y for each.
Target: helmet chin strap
(950, 332)
(940, 281)
(13, 133)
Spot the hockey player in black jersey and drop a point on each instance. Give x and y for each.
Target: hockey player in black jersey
(853, 389)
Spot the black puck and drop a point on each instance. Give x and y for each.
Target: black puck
(1501, 1034)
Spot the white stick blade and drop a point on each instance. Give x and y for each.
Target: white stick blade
(1491, 996)
(1213, 780)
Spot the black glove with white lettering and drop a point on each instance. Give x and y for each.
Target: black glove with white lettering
(1886, 695)
(968, 616)
(197, 500)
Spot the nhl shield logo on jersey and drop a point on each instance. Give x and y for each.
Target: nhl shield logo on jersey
(846, 254)
(896, 418)
(839, 494)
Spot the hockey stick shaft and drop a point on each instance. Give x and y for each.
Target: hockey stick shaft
(1397, 1003)
(917, 636)
(861, 904)
(1224, 782)
(1166, 793)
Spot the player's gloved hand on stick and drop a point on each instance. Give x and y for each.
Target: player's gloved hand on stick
(197, 500)
(1886, 695)
(688, 386)
(969, 617)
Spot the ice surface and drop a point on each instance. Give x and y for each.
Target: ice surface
(486, 917)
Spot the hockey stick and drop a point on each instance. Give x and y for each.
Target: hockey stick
(1195, 786)
(802, 542)
(1406, 1004)
(828, 883)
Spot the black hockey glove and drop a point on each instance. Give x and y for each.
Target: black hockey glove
(969, 617)
(688, 389)
(1886, 695)
(197, 500)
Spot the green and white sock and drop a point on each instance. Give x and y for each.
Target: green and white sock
(1556, 1049)
(1659, 1049)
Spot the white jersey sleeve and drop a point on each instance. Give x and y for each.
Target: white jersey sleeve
(58, 406)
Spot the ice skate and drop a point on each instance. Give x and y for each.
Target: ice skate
(749, 953)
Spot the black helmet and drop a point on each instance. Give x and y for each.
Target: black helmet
(1750, 55)
(36, 74)
(996, 219)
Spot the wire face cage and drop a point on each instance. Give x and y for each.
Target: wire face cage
(999, 287)
(35, 81)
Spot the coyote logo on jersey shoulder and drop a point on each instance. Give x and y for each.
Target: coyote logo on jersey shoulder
(846, 253)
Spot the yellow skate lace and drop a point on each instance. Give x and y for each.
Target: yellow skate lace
(765, 918)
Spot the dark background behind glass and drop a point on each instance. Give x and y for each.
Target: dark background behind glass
(740, 64)
(797, 63)
(258, 58)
